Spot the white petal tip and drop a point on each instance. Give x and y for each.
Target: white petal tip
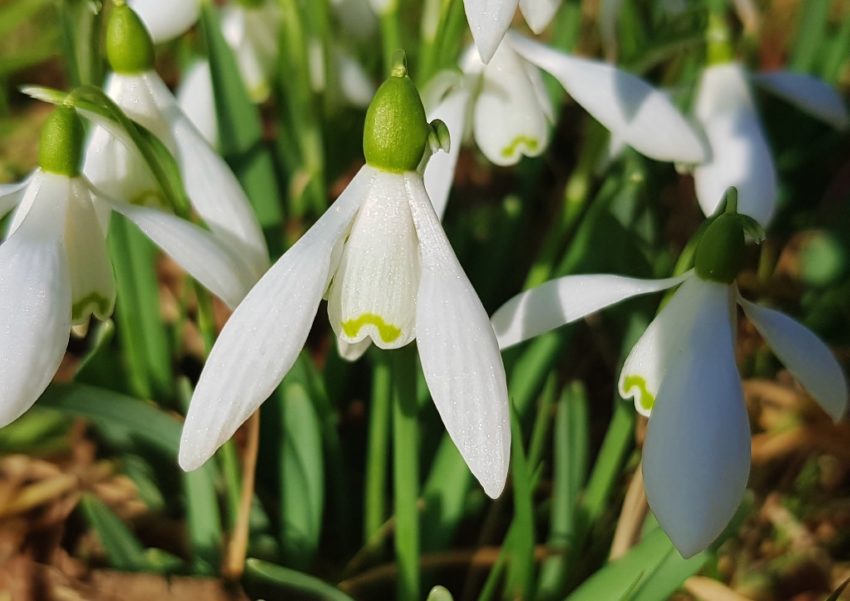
(191, 457)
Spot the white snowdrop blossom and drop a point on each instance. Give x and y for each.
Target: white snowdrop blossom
(115, 166)
(696, 457)
(489, 20)
(54, 265)
(740, 153)
(505, 106)
(382, 260)
(167, 19)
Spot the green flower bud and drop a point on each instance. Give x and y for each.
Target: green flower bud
(60, 148)
(129, 48)
(720, 251)
(396, 130)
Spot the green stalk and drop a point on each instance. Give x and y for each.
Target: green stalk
(390, 33)
(374, 510)
(406, 473)
(434, 16)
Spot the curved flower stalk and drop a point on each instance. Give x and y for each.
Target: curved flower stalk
(489, 20)
(511, 115)
(117, 167)
(682, 371)
(54, 266)
(740, 154)
(381, 258)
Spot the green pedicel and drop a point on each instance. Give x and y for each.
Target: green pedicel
(129, 48)
(61, 142)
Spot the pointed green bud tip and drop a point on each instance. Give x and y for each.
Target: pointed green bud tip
(439, 138)
(720, 251)
(60, 148)
(396, 130)
(129, 48)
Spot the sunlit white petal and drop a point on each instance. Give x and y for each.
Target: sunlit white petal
(459, 354)
(629, 107)
(696, 458)
(167, 19)
(263, 337)
(35, 297)
(538, 13)
(804, 354)
(810, 94)
(488, 21)
(564, 300)
(196, 100)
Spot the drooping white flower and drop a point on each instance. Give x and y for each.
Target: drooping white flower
(116, 167)
(511, 115)
(167, 19)
(489, 20)
(54, 266)
(381, 258)
(740, 154)
(682, 371)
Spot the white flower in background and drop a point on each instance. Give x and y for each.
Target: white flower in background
(116, 167)
(54, 266)
(740, 154)
(357, 17)
(696, 457)
(381, 258)
(167, 19)
(489, 20)
(511, 115)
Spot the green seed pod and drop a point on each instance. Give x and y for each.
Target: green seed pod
(129, 48)
(720, 252)
(61, 143)
(396, 129)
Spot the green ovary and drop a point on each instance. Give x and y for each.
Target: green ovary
(646, 398)
(510, 150)
(94, 303)
(387, 331)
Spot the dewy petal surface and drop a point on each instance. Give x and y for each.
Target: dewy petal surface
(509, 120)
(539, 13)
(35, 297)
(92, 282)
(804, 354)
(262, 339)
(812, 95)
(625, 104)
(440, 170)
(488, 21)
(373, 292)
(667, 336)
(167, 19)
(196, 100)
(565, 300)
(459, 353)
(696, 459)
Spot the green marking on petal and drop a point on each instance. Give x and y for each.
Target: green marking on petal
(93, 303)
(387, 331)
(645, 399)
(532, 144)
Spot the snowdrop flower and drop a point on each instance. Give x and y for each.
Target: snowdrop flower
(489, 20)
(117, 167)
(740, 153)
(697, 451)
(167, 19)
(381, 258)
(511, 114)
(54, 266)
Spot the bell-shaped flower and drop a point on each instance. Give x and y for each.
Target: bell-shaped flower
(697, 451)
(489, 20)
(54, 266)
(381, 258)
(118, 168)
(505, 106)
(167, 19)
(739, 152)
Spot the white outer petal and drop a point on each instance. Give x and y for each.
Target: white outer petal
(440, 170)
(810, 94)
(167, 19)
(539, 13)
(804, 354)
(459, 353)
(665, 339)
(11, 194)
(35, 297)
(489, 21)
(196, 100)
(508, 119)
(354, 82)
(262, 339)
(625, 104)
(696, 459)
(565, 300)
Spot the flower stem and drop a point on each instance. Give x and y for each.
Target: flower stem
(406, 472)
(390, 33)
(375, 509)
(234, 560)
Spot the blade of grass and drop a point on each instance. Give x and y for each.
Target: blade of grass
(374, 504)
(286, 581)
(122, 548)
(519, 581)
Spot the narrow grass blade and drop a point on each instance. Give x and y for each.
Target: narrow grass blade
(284, 582)
(519, 581)
(122, 548)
